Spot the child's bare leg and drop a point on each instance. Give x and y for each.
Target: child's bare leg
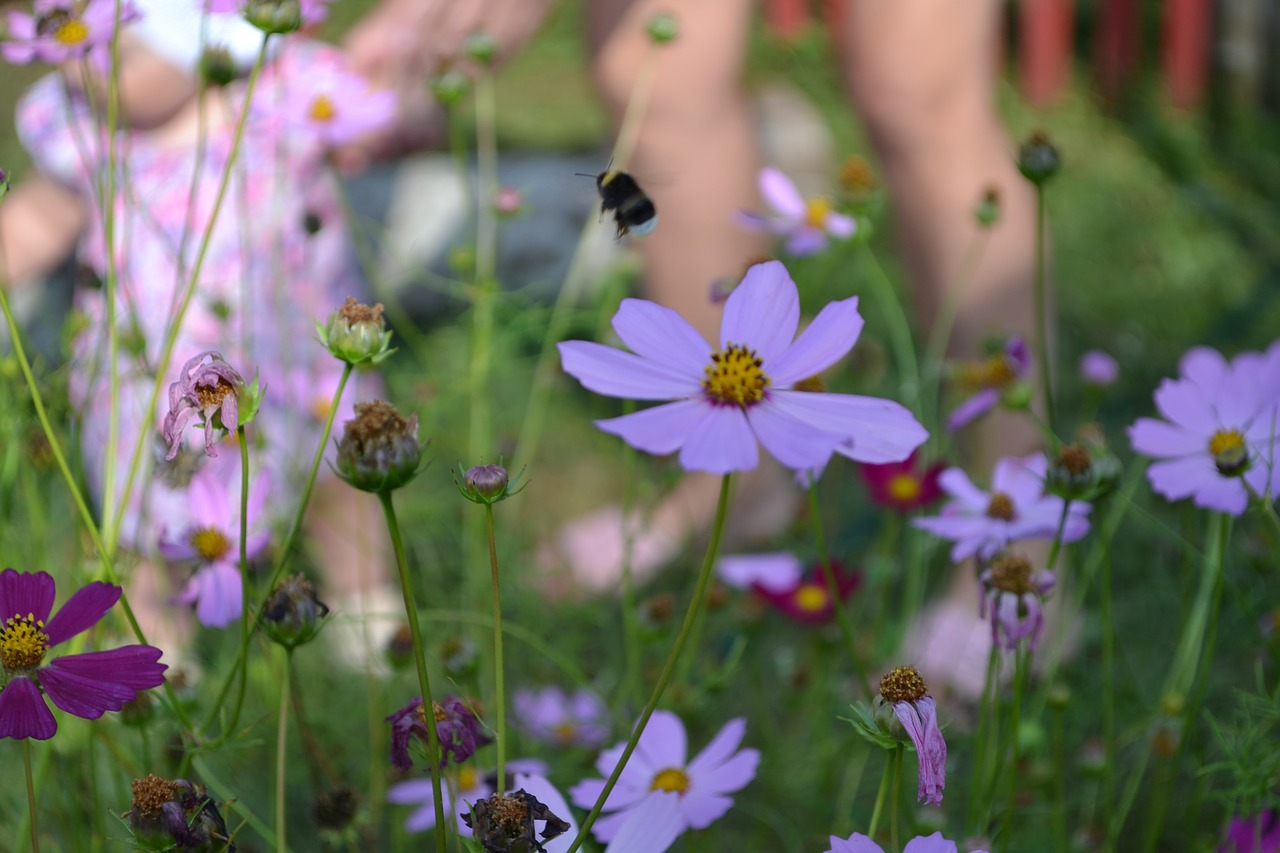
(40, 222)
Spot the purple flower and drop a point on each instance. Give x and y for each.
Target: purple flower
(988, 379)
(210, 387)
(1257, 834)
(212, 538)
(658, 765)
(805, 224)
(467, 786)
(730, 398)
(552, 716)
(903, 690)
(1220, 433)
(859, 843)
(62, 30)
(1098, 368)
(86, 685)
(808, 600)
(1011, 596)
(775, 572)
(982, 523)
(457, 727)
(336, 105)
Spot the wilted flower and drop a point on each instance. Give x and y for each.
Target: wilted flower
(337, 814)
(903, 691)
(1098, 368)
(658, 767)
(805, 224)
(457, 727)
(173, 812)
(729, 399)
(86, 685)
(379, 450)
(210, 387)
(292, 615)
(981, 523)
(1223, 420)
(903, 486)
(1011, 595)
(506, 823)
(357, 334)
(999, 375)
(1038, 159)
(859, 843)
(1257, 834)
(62, 30)
(550, 715)
(467, 785)
(335, 105)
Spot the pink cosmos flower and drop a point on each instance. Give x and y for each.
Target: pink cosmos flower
(988, 379)
(207, 386)
(1011, 596)
(212, 538)
(659, 765)
(553, 716)
(904, 694)
(805, 224)
(86, 685)
(903, 486)
(1220, 434)
(336, 105)
(859, 843)
(981, 523)
(774, 572)
(731, 398)
(62, 30)
(1098, 368)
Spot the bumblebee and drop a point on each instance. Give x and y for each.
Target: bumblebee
(633, 211)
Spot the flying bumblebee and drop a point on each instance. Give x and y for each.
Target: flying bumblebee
(633, 211)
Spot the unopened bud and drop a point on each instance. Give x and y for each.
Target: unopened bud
(487, 484)
(357, 334)
(1038, 159)
(292, 615)
(379, 450)
(216, 66)
(481, 47)
(449, 86)
(663, 27)
(274, 17)
(988, 210)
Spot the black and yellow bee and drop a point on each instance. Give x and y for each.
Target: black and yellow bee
(633, 211)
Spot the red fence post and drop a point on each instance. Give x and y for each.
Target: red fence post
(1045, 30)
(1186, 40)
(786, 18)
(1117, 45)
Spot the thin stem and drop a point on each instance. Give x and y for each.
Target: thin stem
(895, 799)
(424, 682)
(497, 654)
(1021, 657)
(695, 605)
(112, 278)
(633, 119)
(1059, 780)
(1042, 334)
(833, 588)
(243, 657)
(899, 327)
(886, 779)
(31, 796)
(1108, 696)
(979, 808)
(282, 741)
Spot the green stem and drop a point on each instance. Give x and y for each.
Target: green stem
(242, 660)
(895, 800)
(1108, 696)
(1021, 656)
(1041, 320)
(630, 618)
(1059, 780)
(837, 600)
(282, 741)
(886, 780)
(497, 654)
(424, 682)
(31, 796)
(695, 605)
(899, 327)
(112, 279)
(940, 336)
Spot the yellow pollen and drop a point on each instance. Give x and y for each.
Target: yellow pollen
(23, 643)
(467, 779)
(811, 597)
(995, 372)
(734, 376)
(671, 779)
(209, 543)
(72, 32)
(322, 109)
(1226, 441)
(213, 395)
(904, 487)
(1012, 574)
(1001, 507)
(816, 212)
(813, 385)
(564, 732)
(903, 684)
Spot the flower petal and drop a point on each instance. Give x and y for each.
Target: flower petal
(651, 827)
(23, 593)
(930, 844)
(826, 340)
(876, 430)
(1224, 494)
(614, 373)
(781, 194)
(972, 408)
(956, 483)
(659, 430)
(839, 225)
(806, 240)
(136, 667)
(1187, 405)
(83, 696)
(856, 843)
(776, 572)
(1021, 478)
(663, 741)
(1151, 437)
(720, 442)
(1180, 478)
(792, 440)
(730, 776)
(660, 334)
(82, 611)
(720, 749)
(1204, 367)
(763, 312)
(23, 713)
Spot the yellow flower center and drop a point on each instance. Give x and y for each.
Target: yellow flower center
(23, 643)
(320, 407)
(904, 487)
(903, 684)
(1001, 507)
(816, 212)
(210, 544)
(1230, 454)
(211, 396)
(467, 779)
(564, 733)
(322, 109)
(1226, 441)
(734, 376)
(72, 32)
(995, 372)
(811, 598)
(671, 779)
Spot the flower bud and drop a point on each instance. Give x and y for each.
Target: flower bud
(662, 28)
(481, 47)
(274, 17)
(1018, 396)
(1038, 159)
(507, 201)
(1070, 473)
(379, 450)
(487, 484)
(216, 67)
(357, 334)
(449, 86)
(987, 213)
(292, 615)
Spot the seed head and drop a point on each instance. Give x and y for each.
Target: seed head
(379, 450)
(357, 334)
(292, 615)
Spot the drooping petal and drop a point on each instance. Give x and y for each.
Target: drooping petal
(23, 593)
(660, 334)
(826, 340)
(23, 713)
(135, 666)
(781, 193)
(920, 719)
(1151, 437)
(795, 442)
(720, 442)
(876, 430)
(541, 788)
(614, 373)
(973, 408)
(651, 827)
(659, 430)
(763, 312)
(82, 611)
(83, 696)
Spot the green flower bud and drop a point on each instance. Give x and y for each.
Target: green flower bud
(357, 334)
(1038, 159)
(449, 86)
(379, 450)
(216, 67)
(487, 484)
(987, 213)
(274, 17)
(662, 28)
(292, 615)
(481, 47)
(1017, 396)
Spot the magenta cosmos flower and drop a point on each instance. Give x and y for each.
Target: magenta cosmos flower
(659, 765)
(987, 379)
(730, 398)
(1012, 593)
(336, 105)
(86, 685)
(1220, 432)
(808, 599)
(62, 30)
(806, 225)
(859, 843)
(904, 691)
(212, 539)
(1257, 834)
(458, 729)
(559, 719)
(981, 523)
(209, 387)
(903, 486)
